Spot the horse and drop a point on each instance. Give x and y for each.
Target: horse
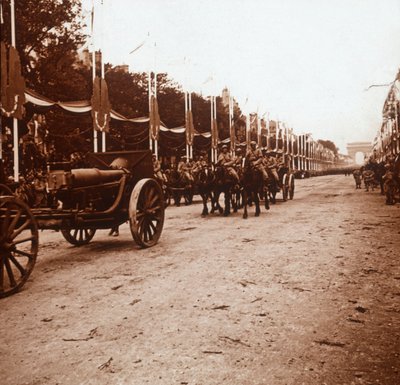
(204, 181)
(253, 187)
(179, 186)
(224, 183)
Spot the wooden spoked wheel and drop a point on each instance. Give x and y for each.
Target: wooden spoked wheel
(19, 242)
(5, 190)
(285, 187)
(291, 186)
(146, 212)
(78, 237)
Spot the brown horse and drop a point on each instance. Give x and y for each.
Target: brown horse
(253, 187)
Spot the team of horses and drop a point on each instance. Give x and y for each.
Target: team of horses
(213, 182)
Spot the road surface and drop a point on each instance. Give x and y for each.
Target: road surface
(308, 293)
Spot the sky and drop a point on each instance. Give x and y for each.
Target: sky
(305, 62)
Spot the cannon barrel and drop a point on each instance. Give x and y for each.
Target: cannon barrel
(82, 177)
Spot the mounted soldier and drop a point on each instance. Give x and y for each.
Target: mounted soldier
(255, 158)
(157, 169)
(184, 170)
(225, 159)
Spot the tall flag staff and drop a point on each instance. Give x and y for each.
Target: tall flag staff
(214, 129)
(292, 139)
(103, 132)
(277, 135)
(12, 95)
(189, 125)
(299, 159)
(248, 139)
(259, 139)
(95, 140)
(15, 121)
(232, 126)
(154, 117)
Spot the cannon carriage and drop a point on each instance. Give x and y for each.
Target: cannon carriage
(119, 187)
(286, 178)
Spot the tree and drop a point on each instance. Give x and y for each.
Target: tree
(46, 31)
(330, 145)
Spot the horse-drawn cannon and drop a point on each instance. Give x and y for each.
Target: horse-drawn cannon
(286, 178)
(119, 187)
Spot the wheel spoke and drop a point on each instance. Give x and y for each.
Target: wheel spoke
(10, 272)
(24, 253)
(153, 227)
(75, 234)
(153, 199)
(155, 217)
(6, 220)
(17, 241)
(18, 265)
(21, 228)
(14, 222)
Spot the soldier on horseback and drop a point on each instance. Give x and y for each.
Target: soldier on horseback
(255, 157)
(225, 160)
(272, 166)
(157, 169)
(185, 170)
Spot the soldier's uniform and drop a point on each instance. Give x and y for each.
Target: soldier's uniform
(225, 159)
(273, 168)
(255, 157)
(157, 169)
(184, 169)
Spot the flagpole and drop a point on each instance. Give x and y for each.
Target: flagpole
(157, 120)
(259, 131)
(212, 129)
(216, 129)
(150, 110)
(15, 120)
(276, 135)
(187, 128)
(103, 133)
(190, 124)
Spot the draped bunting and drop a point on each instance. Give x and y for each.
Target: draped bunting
(84, 106)
(100, 105)
(12, 83)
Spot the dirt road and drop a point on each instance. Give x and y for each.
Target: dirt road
(308, 293)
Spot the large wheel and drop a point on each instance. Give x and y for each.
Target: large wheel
(78, 237)
(146, 212)
(19, 242)
(291, 186)
(285, 187)
(5, 190)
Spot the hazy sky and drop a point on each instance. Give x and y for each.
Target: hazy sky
(307, 62)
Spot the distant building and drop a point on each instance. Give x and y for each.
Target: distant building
(123, 68)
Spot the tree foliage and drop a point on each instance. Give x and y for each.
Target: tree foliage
(330, 145)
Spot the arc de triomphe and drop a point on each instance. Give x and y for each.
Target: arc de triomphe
(355, 147)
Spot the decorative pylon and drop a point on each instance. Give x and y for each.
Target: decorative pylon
(189, 126)
(101, 107)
